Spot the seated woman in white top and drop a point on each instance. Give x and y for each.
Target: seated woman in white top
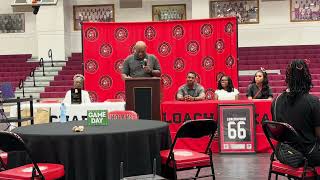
(225, 90)
(78, 80)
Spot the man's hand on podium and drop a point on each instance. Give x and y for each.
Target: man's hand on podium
(147, 69)
(124, 76)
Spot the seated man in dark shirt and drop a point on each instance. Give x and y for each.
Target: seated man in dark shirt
(191, 91)
(141, 64)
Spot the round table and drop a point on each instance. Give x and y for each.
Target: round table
(97, 152)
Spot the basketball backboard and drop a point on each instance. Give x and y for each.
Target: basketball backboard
(30, 5)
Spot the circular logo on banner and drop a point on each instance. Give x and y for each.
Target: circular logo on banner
(105, 50)
(93, 96)
(166, 80)
(105, 82)
(164, 49)
(219, 75)
(178, 32)
(120, 95)
(91, 34)
(198, 79)
(131, 49)
(206, 30)
(229, 62)
(178, 64)
(118, 65)
(150, 33)
(208, 63)
(121, 34)
(193, 47)
(209, 94)
(228, 28)
(91, 66)
(220, 45)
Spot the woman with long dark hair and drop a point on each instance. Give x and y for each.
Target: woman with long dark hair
(300, 109)
(225, 90)
(259, 87)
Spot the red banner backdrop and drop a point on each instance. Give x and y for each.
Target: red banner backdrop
(207, 47)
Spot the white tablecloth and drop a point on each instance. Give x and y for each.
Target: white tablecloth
(74, 111)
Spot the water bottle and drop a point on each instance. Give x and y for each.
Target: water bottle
(63, 116)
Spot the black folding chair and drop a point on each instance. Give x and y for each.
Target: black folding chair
(284, 133)
(11, 142)
(184, 159)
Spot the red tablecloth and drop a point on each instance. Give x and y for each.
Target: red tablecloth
(176, 112)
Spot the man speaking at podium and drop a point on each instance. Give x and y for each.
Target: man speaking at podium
(141, 64)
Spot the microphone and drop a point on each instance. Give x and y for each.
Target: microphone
(145, 62)
(142, 64)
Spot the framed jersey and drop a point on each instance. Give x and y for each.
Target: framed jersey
(236, 128)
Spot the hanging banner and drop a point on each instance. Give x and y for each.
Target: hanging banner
(209, 47)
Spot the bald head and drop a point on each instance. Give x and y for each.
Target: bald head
(140, 49)
(140, 44)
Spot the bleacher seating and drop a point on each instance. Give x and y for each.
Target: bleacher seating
(14, 68)
(277, 58)
(64, 80)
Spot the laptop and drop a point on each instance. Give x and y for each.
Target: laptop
(76, 96)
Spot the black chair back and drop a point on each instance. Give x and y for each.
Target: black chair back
(11, 142)
(281, 132)
(196, 129)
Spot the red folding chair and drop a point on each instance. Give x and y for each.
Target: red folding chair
(174, 160)
(279, 132)
(11, 142)
(116, 115)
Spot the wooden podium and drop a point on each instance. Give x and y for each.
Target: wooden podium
(143, 97)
